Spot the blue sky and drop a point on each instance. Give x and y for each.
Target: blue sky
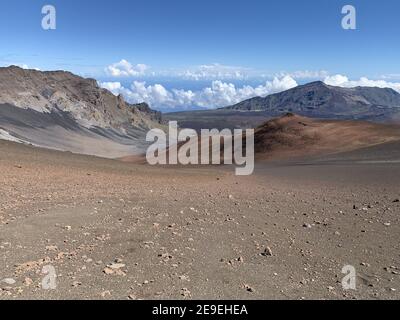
(189, 45)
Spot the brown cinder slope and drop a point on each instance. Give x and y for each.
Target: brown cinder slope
(293, 135)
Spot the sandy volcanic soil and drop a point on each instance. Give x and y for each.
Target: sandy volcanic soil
(115, 230)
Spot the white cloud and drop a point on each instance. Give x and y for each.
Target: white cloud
(343, 81)
(125, 69)
(336, 80)
(23, 66)
(215, 71)
(112, 86)
(306, 74)
(391, 76)
(218, 71)
(219, 94)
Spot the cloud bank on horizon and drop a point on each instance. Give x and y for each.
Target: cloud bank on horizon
(215, 71)
(219, 94)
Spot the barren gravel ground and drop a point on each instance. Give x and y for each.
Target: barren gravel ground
(114, 230)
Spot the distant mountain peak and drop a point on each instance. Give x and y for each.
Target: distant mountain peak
(315, 83)
(319, 100)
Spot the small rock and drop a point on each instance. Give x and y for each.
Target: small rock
(248, 288)
(9, 281)
(267, 252)
(108, 271)
(105, 293)
(28, 282)
(116, 266)
(185, 292)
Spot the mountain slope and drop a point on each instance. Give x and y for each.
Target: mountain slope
(319, 100)
(63, 111)
(292, 135)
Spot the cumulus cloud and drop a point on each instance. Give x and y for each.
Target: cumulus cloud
(219, 94)
(112, 86)
(215, 71)
(125, 69)
(336, 80)
(343, 81)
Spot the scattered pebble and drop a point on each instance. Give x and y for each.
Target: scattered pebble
(9, 281)
(248, 288)
(267, 252)
(185, 292)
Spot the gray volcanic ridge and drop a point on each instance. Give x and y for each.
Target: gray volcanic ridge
(59, 110)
